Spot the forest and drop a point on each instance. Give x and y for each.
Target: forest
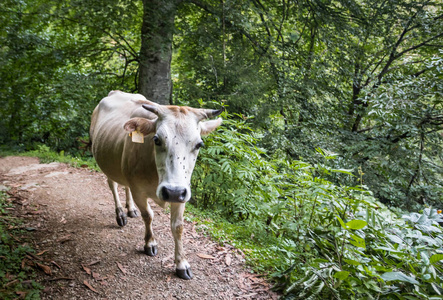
(331, 146)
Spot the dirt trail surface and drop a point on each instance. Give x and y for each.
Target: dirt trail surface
(82, 253)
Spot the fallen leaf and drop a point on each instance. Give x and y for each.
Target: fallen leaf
(87, 270)
(95, 275)
(103, 278)
(121, 268)
(23, 263)
(228, 259)
(45, 268)
(33, 256)
(205, 256)
(61, 278)
(40, 253)
(64, 238)
(249, 295)
(94, 262)
(90, 287)
(11, 282)
(21, 294)
(56, 264)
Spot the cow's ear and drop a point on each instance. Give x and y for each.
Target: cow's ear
(143, 125)
(208, 126)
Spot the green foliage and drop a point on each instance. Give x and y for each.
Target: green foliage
(58, 60)
(324, 238)
(46, 155)
(13, 277)
(233, 168)
(362, 79)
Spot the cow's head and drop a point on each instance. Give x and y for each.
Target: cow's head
(176, 134)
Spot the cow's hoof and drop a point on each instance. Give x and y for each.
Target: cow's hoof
(121, 217)
(151, 250)
(185, 274)
(132, 213)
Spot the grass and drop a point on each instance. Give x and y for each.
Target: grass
(261, 249)
(46, 155)
(16, 278)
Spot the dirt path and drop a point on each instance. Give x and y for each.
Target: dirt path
(89, 256)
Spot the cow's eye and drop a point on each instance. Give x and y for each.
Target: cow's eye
(156, 140)
(199, 145)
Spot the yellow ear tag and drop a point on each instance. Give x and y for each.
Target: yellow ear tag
(137, 137)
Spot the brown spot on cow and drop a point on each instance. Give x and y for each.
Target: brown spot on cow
(179, 230)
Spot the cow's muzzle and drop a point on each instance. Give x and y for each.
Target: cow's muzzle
(173, 194)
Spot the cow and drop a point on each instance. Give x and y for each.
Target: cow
(159, 168)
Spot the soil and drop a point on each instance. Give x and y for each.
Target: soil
(81, 252)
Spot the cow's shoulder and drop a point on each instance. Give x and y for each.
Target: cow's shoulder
(125, 105)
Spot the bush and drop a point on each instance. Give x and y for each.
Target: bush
(330, 239)
(15, 279)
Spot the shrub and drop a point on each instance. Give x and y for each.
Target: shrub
(331, 239)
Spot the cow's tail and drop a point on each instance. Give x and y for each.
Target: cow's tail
(85, 145)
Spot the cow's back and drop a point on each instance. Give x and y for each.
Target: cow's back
(111, 146)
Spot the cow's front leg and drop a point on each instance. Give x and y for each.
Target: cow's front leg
(132, 211)
(183, 268)
(119, 212)
(151, 248)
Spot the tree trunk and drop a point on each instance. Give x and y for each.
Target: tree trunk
(156, 50)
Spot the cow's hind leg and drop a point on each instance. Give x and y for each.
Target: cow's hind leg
(119, 212)
(183, 268)
(151, 248)
(132, 211)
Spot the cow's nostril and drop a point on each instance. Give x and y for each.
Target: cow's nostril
(173, 194)
(165, 194)
(182, 195)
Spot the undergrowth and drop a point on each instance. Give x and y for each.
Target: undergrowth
(314, 235)
(16, 278)
(46, 155)
(257, 245)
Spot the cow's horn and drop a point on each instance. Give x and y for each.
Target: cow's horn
(209, 113)
(151, 108)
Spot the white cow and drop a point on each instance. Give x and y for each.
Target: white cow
(160, 168)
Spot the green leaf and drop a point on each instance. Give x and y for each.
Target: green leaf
(344, 171)
(352, 262)
(395, 239)
(356, 224)
(342, 275)
(341, 222)
(435, 258)
(398, 276)
(358, 241)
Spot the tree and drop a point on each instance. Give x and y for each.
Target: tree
(57, 62)
(156, 50)
(320, 69)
